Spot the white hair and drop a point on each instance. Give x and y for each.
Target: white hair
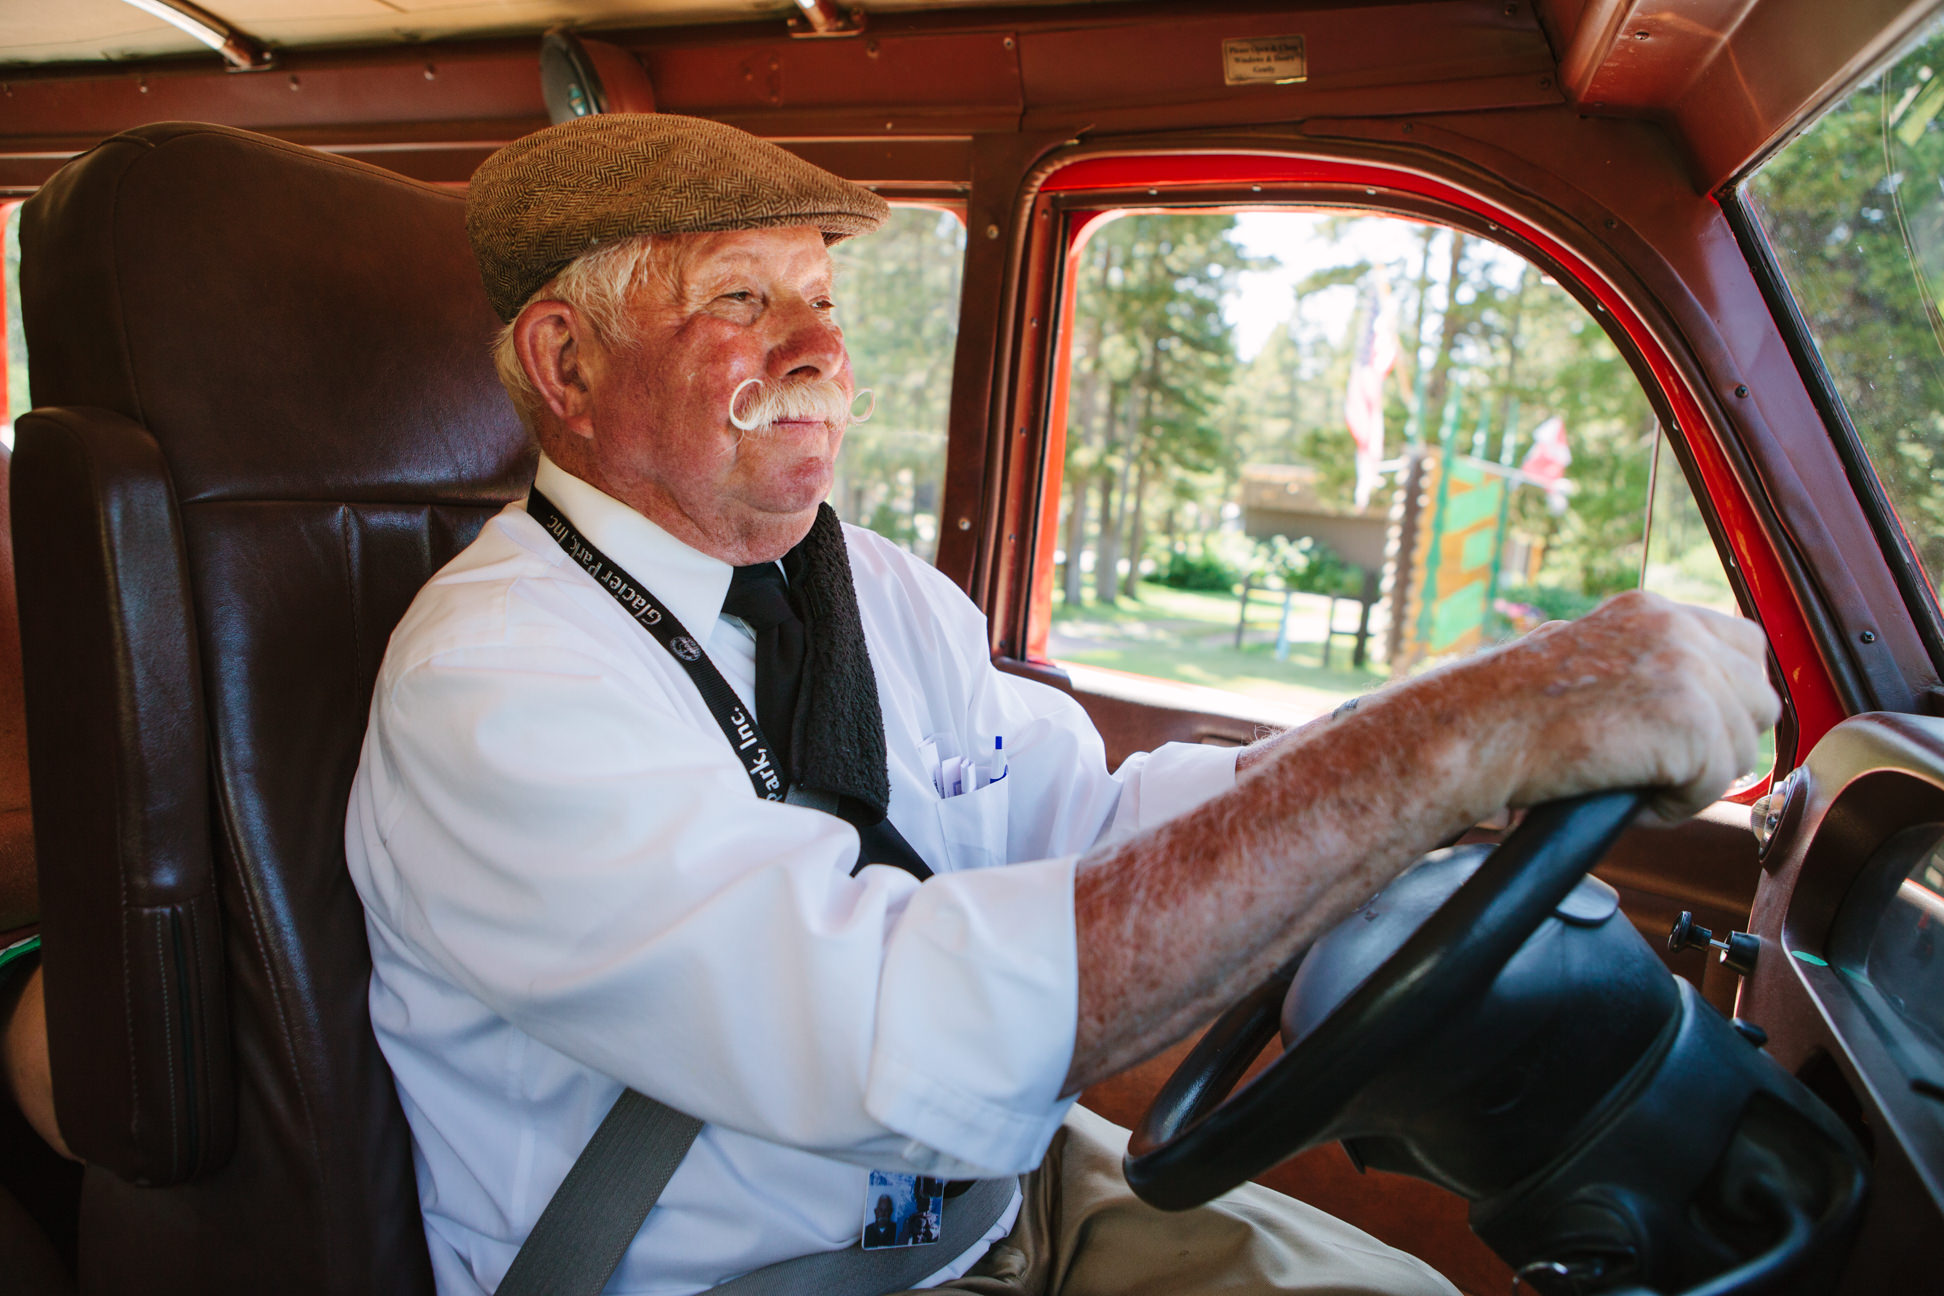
(599, 286)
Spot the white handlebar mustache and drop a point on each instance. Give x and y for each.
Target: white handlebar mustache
(806, 398)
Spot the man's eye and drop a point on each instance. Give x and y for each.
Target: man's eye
(739, 295)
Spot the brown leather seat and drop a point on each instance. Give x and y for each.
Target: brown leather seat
(267, 415)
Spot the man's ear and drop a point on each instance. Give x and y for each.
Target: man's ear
(555, 348)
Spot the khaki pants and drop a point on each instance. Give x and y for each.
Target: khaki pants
(1082, 1232)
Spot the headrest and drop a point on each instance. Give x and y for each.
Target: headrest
(287, 324)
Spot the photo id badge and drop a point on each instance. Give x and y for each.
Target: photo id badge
(902, 1210)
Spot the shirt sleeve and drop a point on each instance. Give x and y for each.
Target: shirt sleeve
(572, 848)
(1063, 798)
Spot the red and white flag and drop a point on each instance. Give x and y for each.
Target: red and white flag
(1546, 463)
(1363, 402)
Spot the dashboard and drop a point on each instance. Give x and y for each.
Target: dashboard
(1849, 980)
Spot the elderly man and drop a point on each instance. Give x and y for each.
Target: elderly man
(651, 798)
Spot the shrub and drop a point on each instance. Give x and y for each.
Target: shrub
(1308, 566)
(1216, 562)
(1201, 569)
(1556, 602)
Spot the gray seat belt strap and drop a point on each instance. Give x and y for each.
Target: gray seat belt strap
(580, 1237)
(857, 1272)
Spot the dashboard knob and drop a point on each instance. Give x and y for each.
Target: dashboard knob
(1737, 952)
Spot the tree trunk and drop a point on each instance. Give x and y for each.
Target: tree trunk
(1107, 546)
(1136, 528)
(1076, 539)
(1509, 384)
(1106, 536)
(1434, 397)
(1408, 366)
(1096, 427)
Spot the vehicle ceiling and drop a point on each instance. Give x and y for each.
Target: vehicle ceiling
(1726, 77)
(34, 31)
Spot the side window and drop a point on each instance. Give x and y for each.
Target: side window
(13, 343)
(1307, 452)
(1854, 213)
(898, 302)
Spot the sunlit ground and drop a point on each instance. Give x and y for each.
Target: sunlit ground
(1187, 638)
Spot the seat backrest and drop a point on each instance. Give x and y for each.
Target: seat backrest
(267, 416)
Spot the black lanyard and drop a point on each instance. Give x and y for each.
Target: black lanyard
(738, 722)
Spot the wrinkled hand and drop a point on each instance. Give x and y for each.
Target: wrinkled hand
(1639, 692)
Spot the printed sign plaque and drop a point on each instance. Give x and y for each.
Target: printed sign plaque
(1264, 60)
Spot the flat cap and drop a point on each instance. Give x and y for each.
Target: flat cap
(547, 198)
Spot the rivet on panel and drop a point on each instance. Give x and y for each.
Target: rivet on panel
(1611, 223)
(431, 73)
(1741, 391)
(1009, 42)
(294, 83)
(1868, 636)
(965, 524)
(1642, 35)
(870, 49)
(992, 231)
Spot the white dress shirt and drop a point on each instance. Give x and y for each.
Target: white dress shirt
(569, 886)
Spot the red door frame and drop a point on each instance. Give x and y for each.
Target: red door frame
(1281, 179)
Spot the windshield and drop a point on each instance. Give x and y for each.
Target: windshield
(1854, 208)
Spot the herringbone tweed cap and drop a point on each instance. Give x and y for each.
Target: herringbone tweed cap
(543, 200)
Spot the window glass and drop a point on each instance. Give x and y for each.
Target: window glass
(898, 301)
(13, 375)
(1682, 562)
(1307, 451)
(1854, 211)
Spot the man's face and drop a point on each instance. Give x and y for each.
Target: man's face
(743, 304)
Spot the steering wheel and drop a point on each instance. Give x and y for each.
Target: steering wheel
(1197, 1142)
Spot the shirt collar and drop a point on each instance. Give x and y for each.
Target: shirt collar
(686, 581)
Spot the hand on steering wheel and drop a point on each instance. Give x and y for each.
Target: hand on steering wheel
(1183, 1153)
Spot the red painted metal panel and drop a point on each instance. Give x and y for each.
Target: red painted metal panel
(958, 82)
(1414, 53)
(1807, 679)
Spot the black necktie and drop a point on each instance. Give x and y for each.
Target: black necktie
(759, 596)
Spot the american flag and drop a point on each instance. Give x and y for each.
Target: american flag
(1363, 402)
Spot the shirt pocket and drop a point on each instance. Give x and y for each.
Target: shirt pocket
(973, 825)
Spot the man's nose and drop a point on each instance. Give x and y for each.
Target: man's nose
(811, 344)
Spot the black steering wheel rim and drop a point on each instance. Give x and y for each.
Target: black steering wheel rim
(1197, 1140)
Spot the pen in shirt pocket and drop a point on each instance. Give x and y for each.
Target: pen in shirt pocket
(955, 775)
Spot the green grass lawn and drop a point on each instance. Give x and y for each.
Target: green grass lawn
(1188, 636)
